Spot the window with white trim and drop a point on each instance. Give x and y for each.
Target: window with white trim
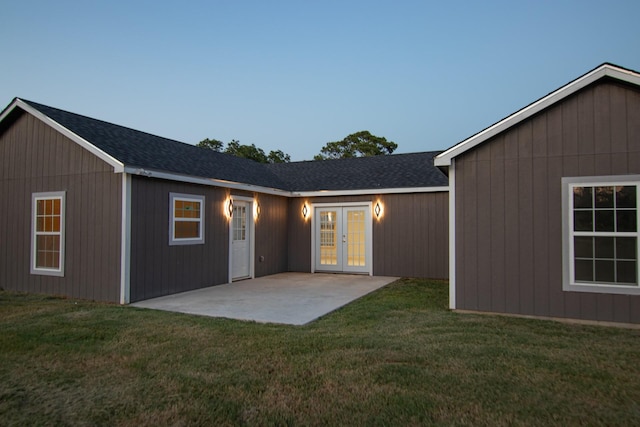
(186, 219)
(601, 235)
(47, 233)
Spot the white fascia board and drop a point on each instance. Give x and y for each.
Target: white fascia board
(118, 166)
(204, 181)
(403, 190)
(444, 158)
(274, 191)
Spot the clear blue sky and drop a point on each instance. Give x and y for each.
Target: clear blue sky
(293, 75)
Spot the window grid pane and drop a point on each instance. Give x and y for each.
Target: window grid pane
(356, 237)
(328, 238)
(47, 250)
(601, 256)
(239, 223)
(187, 215)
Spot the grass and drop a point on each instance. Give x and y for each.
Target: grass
(394, 357)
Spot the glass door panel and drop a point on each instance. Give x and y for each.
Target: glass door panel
(328, 237)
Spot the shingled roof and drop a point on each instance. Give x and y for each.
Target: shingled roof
(140, 149)
(360, 173)
(136, 149)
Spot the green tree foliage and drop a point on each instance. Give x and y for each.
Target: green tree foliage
(359, 144)
(246, 151)
(212, 144)
(278, 156)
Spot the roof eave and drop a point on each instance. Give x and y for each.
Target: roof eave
(152, 173)
(369, 191)
(605, 70)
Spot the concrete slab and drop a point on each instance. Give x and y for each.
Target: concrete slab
(289, 298)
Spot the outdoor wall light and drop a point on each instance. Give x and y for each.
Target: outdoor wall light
(229, 210)
(377, 210)
(305, 211)
(256, 210)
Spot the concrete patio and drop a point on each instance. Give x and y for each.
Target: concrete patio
(288, 298)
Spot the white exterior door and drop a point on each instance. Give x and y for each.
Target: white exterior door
(240, 241)
(343, 239)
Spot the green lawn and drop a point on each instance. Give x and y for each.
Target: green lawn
(394, 357)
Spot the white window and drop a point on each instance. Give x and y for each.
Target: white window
(186, 219)
(601, 234)
(47, 233)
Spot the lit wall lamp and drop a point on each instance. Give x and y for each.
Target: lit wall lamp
(229, 208)
(305, 211)
(256, 210)
(378, 210)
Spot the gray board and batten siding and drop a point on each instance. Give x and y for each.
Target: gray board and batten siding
(159, 269)
(508, 225)
(409, 240)
(36, 158)
(271, 239)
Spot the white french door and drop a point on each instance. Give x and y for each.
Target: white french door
(343, 239)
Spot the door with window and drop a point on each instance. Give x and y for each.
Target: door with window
(240, 241)
(343, 239)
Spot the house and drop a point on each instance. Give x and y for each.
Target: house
(544, 205)
(93, 210)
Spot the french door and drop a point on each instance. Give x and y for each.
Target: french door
(343, 239)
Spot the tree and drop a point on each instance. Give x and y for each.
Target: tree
(246, 151)
(359, 144)
(278, 156)
(212, 144)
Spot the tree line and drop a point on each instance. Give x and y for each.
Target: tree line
(359, 144)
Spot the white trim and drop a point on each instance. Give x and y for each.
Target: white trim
(444, 159)
(173, 241)
(311, 219)
(205, 181)
(48, 195)
(252, 243)
(341, 204)
(452, 235)
(402, 190)
(274, 191)
(116, 164)
(125, 241)
(568, 279)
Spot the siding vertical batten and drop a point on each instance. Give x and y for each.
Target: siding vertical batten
(125, 250)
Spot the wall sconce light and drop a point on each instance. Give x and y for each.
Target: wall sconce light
(256, 210)
(377, 210)
(229, 208)
(305, 211)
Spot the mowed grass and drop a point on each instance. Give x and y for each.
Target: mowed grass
(394, 357)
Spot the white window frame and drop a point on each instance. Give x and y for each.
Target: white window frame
(173, 197)
(569, 283)
(60, 195)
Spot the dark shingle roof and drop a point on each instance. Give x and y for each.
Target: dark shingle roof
(359, 173)
(139, 149)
